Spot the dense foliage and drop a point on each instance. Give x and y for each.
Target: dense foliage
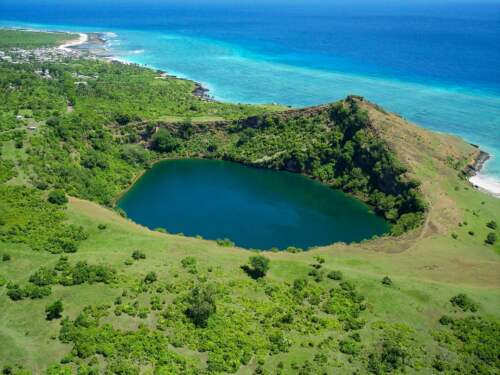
(26, 217)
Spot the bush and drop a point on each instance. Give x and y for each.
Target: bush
(57, 197)
(335, 275)
(492, 224)
(445, 320)
(387, 281)
(464, 302)
(54, 310)
(150, 278)
(43, 276)
(188, 262)
(15, 293)
(137, 254)
(349, 346)
(258, 267)
(491, 238)
(201, 305)
(225, 242)
(6, 257)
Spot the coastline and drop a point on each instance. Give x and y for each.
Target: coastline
(479, 180)
(86, 41)
(75, 42)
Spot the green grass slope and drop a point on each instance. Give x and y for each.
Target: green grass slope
(137, 301)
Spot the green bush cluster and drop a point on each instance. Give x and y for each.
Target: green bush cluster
(18, 293)
(474, 342)
(122, 351)
(7, 170)
(464, 302)
(28, 218)
(64, 273)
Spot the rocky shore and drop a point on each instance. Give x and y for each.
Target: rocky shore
(479, 180)
(481, 158)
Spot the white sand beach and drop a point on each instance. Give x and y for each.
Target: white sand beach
(486, 184)
(75, 42)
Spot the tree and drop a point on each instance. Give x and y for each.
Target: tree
(258, 267)
(54, 310)
(201, 305)
(492, 224)
(164, 141)
(387, 281)
(491, 238)
(57, 197)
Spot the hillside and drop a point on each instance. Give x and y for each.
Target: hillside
(422, 300)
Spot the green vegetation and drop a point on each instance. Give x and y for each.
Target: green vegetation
(54, 310)
(463, 302)
(258, 267)
(84, 290)
(57, 197)
(32, 39)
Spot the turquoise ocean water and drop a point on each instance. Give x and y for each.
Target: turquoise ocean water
(436, 65)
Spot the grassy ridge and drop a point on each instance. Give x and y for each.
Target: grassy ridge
(374, 307)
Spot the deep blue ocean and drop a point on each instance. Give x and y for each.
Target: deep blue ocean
(436, 63)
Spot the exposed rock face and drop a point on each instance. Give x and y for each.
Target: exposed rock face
(478, 163)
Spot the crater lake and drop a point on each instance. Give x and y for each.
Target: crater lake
(255, 208)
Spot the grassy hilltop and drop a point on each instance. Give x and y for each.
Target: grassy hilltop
(74, 133)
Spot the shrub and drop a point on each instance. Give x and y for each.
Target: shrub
(102, 226)
(335, 275)
(387, 281)
(445, 320)
(43, 276)
(57, 197)
(349, 346)
(150, 278)
(54, 310)
(15, 293)
(492, 224)
(188, 262)
(225, 242)
(6, 257)
(258, 267)
(491, 238)
(464, 302)
(137, 254)
(201, 305)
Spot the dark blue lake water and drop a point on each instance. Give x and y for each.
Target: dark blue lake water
(256, 208)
